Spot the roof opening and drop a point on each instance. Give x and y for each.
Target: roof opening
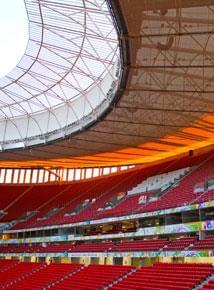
(13, 33)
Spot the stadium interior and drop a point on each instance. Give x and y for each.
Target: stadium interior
(107, 148)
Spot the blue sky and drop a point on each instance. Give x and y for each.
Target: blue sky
(13, 33)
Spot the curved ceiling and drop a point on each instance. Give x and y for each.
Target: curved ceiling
(67, 76)
(166, 106)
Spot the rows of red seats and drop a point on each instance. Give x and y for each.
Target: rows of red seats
(180, 244)
(57, 248)
(67, 197)
(123, 246)
(37, 248)
(207, 243)
(5, 265)
(124, 208)
(93, 277)
(181, 195)
(175, 276)
(165, 277)
(27, 198)
(139, 245)
(60, 276)
(44, 276)
(208, 286)
(13, 274)
(208, 195)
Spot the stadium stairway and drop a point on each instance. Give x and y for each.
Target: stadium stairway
(207, 284)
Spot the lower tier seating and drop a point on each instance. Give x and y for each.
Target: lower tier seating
(44, 276)
(209, 285)
(93, 277)
(61, 276)
(13, 274)
(165, 277)
(161, 276)
(5, 265)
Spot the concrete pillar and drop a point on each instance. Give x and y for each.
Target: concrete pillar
(101, 260)
(21, 258)
(85, 260)
(127, 261)
(166, 259)
(209, 260)
(201, 235)
(109, 261)
(65, 260)
(48, 260)
(33, 259)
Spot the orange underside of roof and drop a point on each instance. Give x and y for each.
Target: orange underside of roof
(197, 136)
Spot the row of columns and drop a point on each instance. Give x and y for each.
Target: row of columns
(126, 261)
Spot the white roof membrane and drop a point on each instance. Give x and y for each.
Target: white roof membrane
(67, 76)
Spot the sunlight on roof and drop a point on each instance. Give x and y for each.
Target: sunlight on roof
(13, 33)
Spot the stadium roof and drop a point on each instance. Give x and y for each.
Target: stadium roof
(66, 77)
(161, 103)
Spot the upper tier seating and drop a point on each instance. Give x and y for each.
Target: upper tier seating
(66, 198)
(208, 195)
(182, 194)
(160, 181)
(124, 208)
(70, 197)
(165, 277)
(28, 198)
